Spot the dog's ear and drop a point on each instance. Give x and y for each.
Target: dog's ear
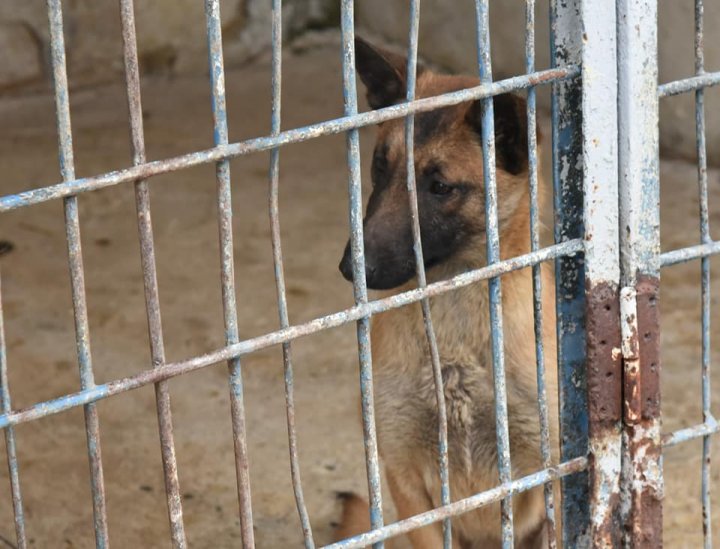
(511, 135)
(382, 72)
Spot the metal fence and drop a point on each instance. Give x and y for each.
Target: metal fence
(606, 253)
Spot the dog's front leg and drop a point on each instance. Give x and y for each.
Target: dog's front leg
(412, 498)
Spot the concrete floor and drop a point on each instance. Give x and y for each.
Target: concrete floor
(313, 202)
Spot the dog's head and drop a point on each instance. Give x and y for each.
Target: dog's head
(448, 171)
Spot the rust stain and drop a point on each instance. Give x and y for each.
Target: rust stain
(604, 379)
(642, 421)
(649, 345)
(603, 361)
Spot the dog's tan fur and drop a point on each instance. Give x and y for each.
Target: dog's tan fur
(405, 402)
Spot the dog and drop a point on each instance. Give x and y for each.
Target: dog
(451, 203)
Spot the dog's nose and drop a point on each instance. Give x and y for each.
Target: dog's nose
(346, 264)
(347, 270)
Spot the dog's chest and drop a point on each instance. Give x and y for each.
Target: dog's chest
(407, 405)
(405, 393)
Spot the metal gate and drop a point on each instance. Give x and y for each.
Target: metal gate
(606, 253)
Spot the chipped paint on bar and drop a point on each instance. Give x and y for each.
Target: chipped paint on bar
(602, 272)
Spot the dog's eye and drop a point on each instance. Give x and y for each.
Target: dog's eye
(440, 188)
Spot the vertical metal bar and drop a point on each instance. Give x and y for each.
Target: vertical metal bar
(567, 172)
(280, 275)
(217, 78)
(493, 255)
(602, 271)
(704, 266)
(642, 482)
(537, 271)
(357, 249)
(10, 445)
(77, 275)
(420, 269)
(147, 257)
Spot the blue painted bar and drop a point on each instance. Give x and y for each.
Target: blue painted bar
(10, 444)
(443, 464)
(493, 255)
(227, 268)
(705, 238)
(77, 276)
(290, 333)
(298, 135)
(565, 25)
(358, 267)
(537, 272)
(274, 176)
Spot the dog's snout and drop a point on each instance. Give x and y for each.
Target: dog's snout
(346, 266)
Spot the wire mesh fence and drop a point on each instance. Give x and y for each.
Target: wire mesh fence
(606, 257)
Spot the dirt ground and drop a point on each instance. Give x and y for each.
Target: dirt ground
(313, 203)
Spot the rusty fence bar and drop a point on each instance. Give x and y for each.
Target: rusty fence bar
(704, 80)
(545, 441)
(704, 267)
(227, 269)
(358, 268)
(565, 20)
(702, 251)
(77, 275)
(459, 507)
(640, 264)
(710, 427)
(602, 272)
(443, 465)
(147, 257)
(10, 443)
(290, 333)
(493, 255)
(689, 254)
(274, 190)
(298, 135)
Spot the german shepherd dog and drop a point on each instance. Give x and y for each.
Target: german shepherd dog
(451, 202)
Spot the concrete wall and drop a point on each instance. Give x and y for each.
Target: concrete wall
(171, 36)
(447, 37)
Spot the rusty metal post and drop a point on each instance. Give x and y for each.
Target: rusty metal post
(602, 272)
(642, 482)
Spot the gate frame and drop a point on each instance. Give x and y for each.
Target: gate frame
(642, 479)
